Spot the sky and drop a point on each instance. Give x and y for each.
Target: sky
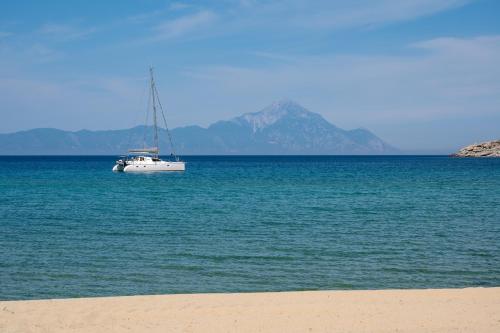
(424, 75)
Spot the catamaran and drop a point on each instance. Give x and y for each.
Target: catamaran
(148, 159)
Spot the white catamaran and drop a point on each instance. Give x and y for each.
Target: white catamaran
(147, 159)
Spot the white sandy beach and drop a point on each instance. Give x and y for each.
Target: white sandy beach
(433, 310)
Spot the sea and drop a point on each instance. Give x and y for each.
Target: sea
(70, 227)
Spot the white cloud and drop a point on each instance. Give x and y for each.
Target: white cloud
(152, 15)
(184, 24)
(369, 13)
(263, 16)
(64, 32)
(4, 34)
(335, 14)
(179, 6)
(477, 46)
(41, 53)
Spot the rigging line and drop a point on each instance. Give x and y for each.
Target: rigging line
(155, 97)
(166, 126)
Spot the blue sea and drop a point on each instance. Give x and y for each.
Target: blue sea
(69, 227)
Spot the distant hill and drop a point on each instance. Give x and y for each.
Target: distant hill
(282, 128)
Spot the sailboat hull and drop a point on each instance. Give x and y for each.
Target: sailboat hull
(151, 167)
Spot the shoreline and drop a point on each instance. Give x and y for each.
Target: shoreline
(402, 310)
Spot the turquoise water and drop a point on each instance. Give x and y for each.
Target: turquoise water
(70, 227)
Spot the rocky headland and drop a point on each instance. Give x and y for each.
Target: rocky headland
(484, 149)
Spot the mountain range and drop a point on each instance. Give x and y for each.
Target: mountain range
(283, 128)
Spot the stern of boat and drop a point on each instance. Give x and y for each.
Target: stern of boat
(120, 166)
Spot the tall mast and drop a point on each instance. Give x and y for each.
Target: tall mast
(155, 123)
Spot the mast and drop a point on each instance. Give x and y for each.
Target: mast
(155, 122)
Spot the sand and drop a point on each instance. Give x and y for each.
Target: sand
(433, 310)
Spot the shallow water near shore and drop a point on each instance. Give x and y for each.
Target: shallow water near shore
(69, 227)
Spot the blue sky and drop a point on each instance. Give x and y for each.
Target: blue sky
(422, 74)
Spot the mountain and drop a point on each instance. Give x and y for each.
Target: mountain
(283, 127)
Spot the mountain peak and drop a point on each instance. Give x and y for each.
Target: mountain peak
(273, 113)
(285, 106)
(285, 103)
